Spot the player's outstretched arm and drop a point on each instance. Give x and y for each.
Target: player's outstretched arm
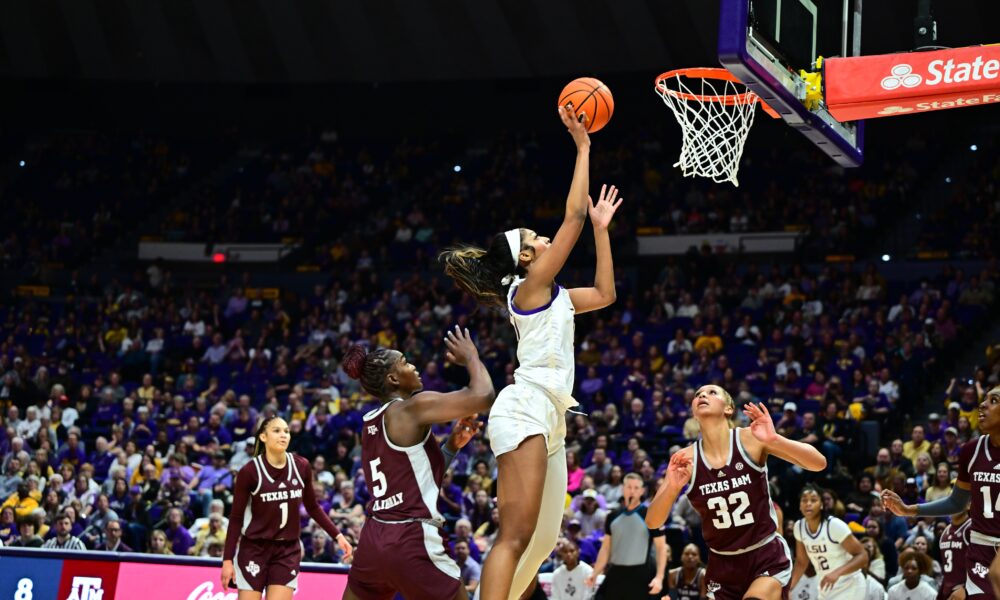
(801, 564)
(316, 512)
(603, 293)
(428, 408)
(544, 270)
(762, 428)
(956, 502)
(678, 475)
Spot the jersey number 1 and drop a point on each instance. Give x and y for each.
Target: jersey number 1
(284, 514)
(988, 507)
(740, 502)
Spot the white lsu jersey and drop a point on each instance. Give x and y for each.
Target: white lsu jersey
(545, 338)
(825, 550)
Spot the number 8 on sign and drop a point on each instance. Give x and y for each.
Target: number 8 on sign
(24, 587)
(739, 516)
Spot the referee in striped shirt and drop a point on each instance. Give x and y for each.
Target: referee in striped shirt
(64, 540)
(625, 551)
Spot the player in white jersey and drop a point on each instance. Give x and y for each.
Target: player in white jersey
(828, 543)
(527, 424)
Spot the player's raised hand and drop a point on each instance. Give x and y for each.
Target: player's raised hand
(460, 347)
(345, 546)
(761, 425)
(602, 211)
(575, 125)
(894, 504)
(464, 431)
(678, 471)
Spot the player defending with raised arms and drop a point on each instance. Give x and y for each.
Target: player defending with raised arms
(979, 483)
(401, 550)
(726, 478)
(527, 423)
(836, 554)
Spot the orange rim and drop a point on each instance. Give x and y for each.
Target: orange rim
(747, 97)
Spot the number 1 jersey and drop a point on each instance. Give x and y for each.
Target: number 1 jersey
(734, 501)
(404, 482)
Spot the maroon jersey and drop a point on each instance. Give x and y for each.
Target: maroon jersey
(266, 502)
(979, 467)
(953, 545)
(404, 482)
(733, 500)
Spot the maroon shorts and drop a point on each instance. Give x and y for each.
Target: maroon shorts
(404, 558)
(260, 563)
(728, 577)
(978, 558)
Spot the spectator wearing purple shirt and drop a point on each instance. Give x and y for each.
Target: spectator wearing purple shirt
(214, 430)
(101, 459)
(179, 538)
(236, 306)
(177, 465)
(212, 479)
(71, 452)
(450, 497)
(638, 423)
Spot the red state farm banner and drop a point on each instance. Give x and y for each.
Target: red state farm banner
(866, 87)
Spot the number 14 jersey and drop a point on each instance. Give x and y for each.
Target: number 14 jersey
(734, 501)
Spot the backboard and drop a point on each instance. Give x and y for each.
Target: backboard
(765, 43)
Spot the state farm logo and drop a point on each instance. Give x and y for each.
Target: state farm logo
(206, 591)
(942, 71)
(902, 76)
(895, 110)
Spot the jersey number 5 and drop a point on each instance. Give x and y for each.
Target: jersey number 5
(740, 503)
(379, 484)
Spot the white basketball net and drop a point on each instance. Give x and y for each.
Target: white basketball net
(714, 131)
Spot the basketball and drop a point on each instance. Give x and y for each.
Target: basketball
(591, 100)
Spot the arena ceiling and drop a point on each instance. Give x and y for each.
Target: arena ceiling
(312, 41)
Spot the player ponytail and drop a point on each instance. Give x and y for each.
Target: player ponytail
(485, 274)
(371, 368)
(258, 446)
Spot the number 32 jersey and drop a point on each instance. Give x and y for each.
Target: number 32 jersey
(734, 501)
(404, 482)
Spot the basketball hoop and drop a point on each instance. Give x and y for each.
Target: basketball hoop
(715, 121)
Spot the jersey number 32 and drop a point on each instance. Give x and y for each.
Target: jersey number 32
(735, 517)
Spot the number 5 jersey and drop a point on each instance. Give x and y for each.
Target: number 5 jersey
(404, 482)
(733, 500)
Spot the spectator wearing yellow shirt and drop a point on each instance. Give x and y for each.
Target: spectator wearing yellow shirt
(213, 533)
(917, 444)
(708, 341)
(24, 501)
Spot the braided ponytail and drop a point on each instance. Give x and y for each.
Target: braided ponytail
(371, 368)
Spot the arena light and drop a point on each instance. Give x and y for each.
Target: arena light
(21, 164)
(886, 258)
(458, 168)
(219, 257)
(947, 179)
(973, 147)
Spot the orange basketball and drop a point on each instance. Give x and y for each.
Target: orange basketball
(591, 100)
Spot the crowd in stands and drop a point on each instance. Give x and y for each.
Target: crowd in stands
(127, 409)
(397, 205)
(126, 406)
